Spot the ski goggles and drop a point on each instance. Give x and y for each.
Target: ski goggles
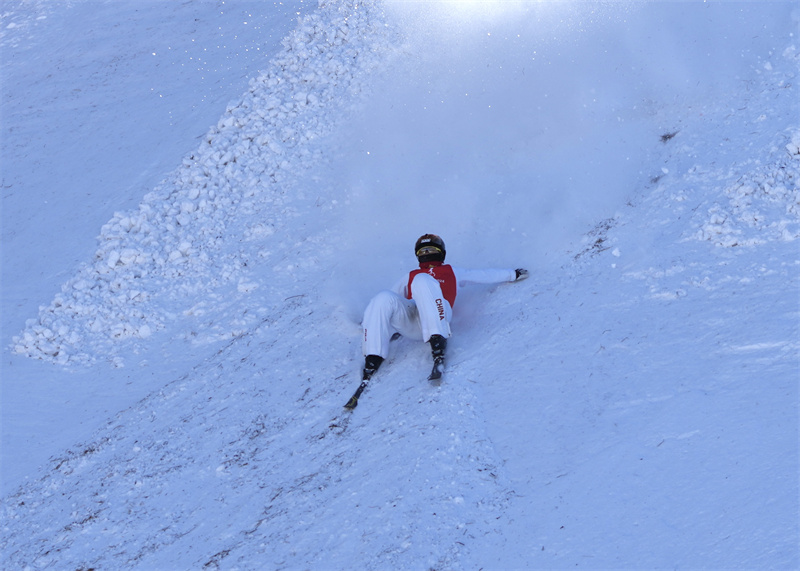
(429, 250)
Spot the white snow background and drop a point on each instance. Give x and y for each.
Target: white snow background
(181, 303)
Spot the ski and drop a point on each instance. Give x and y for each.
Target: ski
(353, 402)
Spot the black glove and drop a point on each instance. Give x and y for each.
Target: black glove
(521, 274)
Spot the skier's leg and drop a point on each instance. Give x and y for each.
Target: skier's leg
(434, 318)
(433, 309)
(386, 314)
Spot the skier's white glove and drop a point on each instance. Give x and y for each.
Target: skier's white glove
(521, 274)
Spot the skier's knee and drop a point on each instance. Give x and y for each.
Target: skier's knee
(426, 279)
(425, 285)
(384, 298)
(383, 303)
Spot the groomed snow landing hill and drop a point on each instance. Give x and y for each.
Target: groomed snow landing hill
(632, 405)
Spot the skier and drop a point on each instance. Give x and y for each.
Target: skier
(420, 306)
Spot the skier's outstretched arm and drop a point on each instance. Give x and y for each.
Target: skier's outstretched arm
(489, 276)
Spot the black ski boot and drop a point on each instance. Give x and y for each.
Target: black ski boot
(438, 346)
(371, 364)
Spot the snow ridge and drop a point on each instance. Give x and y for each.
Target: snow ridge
(183, 241)
(762, 205)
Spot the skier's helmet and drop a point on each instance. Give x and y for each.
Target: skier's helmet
(430, 248)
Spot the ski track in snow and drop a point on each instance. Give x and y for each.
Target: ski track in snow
(281, 487)
(223, 469)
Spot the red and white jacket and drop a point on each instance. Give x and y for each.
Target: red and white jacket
(452, 278)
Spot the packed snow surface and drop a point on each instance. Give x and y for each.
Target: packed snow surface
(181, 303)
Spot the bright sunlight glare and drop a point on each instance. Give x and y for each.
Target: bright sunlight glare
(438, 13)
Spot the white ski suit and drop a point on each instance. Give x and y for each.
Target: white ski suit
(421, 304)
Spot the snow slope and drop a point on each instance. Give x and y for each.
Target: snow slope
(632, 405)
(57, 194)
